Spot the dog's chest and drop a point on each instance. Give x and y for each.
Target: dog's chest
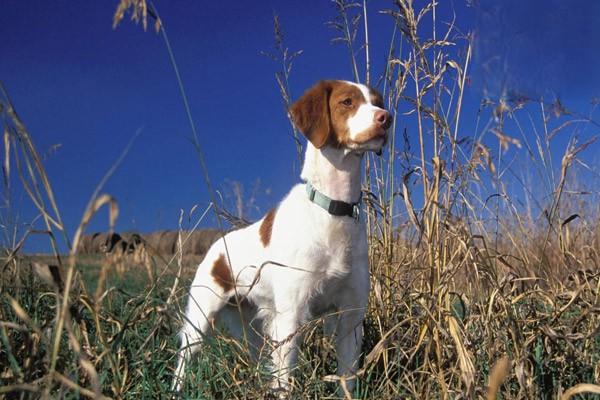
(334, 248)
(313, 239)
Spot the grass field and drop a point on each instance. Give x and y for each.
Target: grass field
(483, 286)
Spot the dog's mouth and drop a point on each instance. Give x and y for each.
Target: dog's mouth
(373, 139)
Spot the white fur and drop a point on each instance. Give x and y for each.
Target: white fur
(315, 264)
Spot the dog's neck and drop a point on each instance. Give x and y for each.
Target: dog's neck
(333, 172)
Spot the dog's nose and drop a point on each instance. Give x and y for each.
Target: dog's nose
(383, 119)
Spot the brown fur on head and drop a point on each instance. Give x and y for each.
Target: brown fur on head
(325, 111)
(311, 113)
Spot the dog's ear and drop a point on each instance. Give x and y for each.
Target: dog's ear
(311, 113)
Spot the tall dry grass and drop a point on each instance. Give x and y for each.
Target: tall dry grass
(484, 284)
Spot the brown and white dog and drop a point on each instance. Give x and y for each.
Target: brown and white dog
(308, 256)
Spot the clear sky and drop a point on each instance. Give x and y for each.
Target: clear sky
(78, 83)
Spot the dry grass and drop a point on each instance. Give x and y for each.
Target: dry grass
(483, 286)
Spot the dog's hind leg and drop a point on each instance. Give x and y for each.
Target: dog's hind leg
(210, 291)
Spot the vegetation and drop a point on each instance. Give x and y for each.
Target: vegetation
(485, 285)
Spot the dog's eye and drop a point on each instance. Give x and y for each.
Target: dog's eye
(347, 102)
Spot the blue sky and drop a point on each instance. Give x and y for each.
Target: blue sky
(77, 82)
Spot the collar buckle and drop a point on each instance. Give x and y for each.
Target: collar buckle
(356, 211)
(311, 192)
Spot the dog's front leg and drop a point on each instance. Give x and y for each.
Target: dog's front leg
(348, 343)
(352, 307)
(285, 337)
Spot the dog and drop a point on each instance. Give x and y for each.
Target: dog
(308, 256)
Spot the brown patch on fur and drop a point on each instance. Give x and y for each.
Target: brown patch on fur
(266, 227)
(311, 113)
(222, 274)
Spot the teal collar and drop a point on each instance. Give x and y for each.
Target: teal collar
(333, 207)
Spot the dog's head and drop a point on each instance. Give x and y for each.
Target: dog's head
(342, 114)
